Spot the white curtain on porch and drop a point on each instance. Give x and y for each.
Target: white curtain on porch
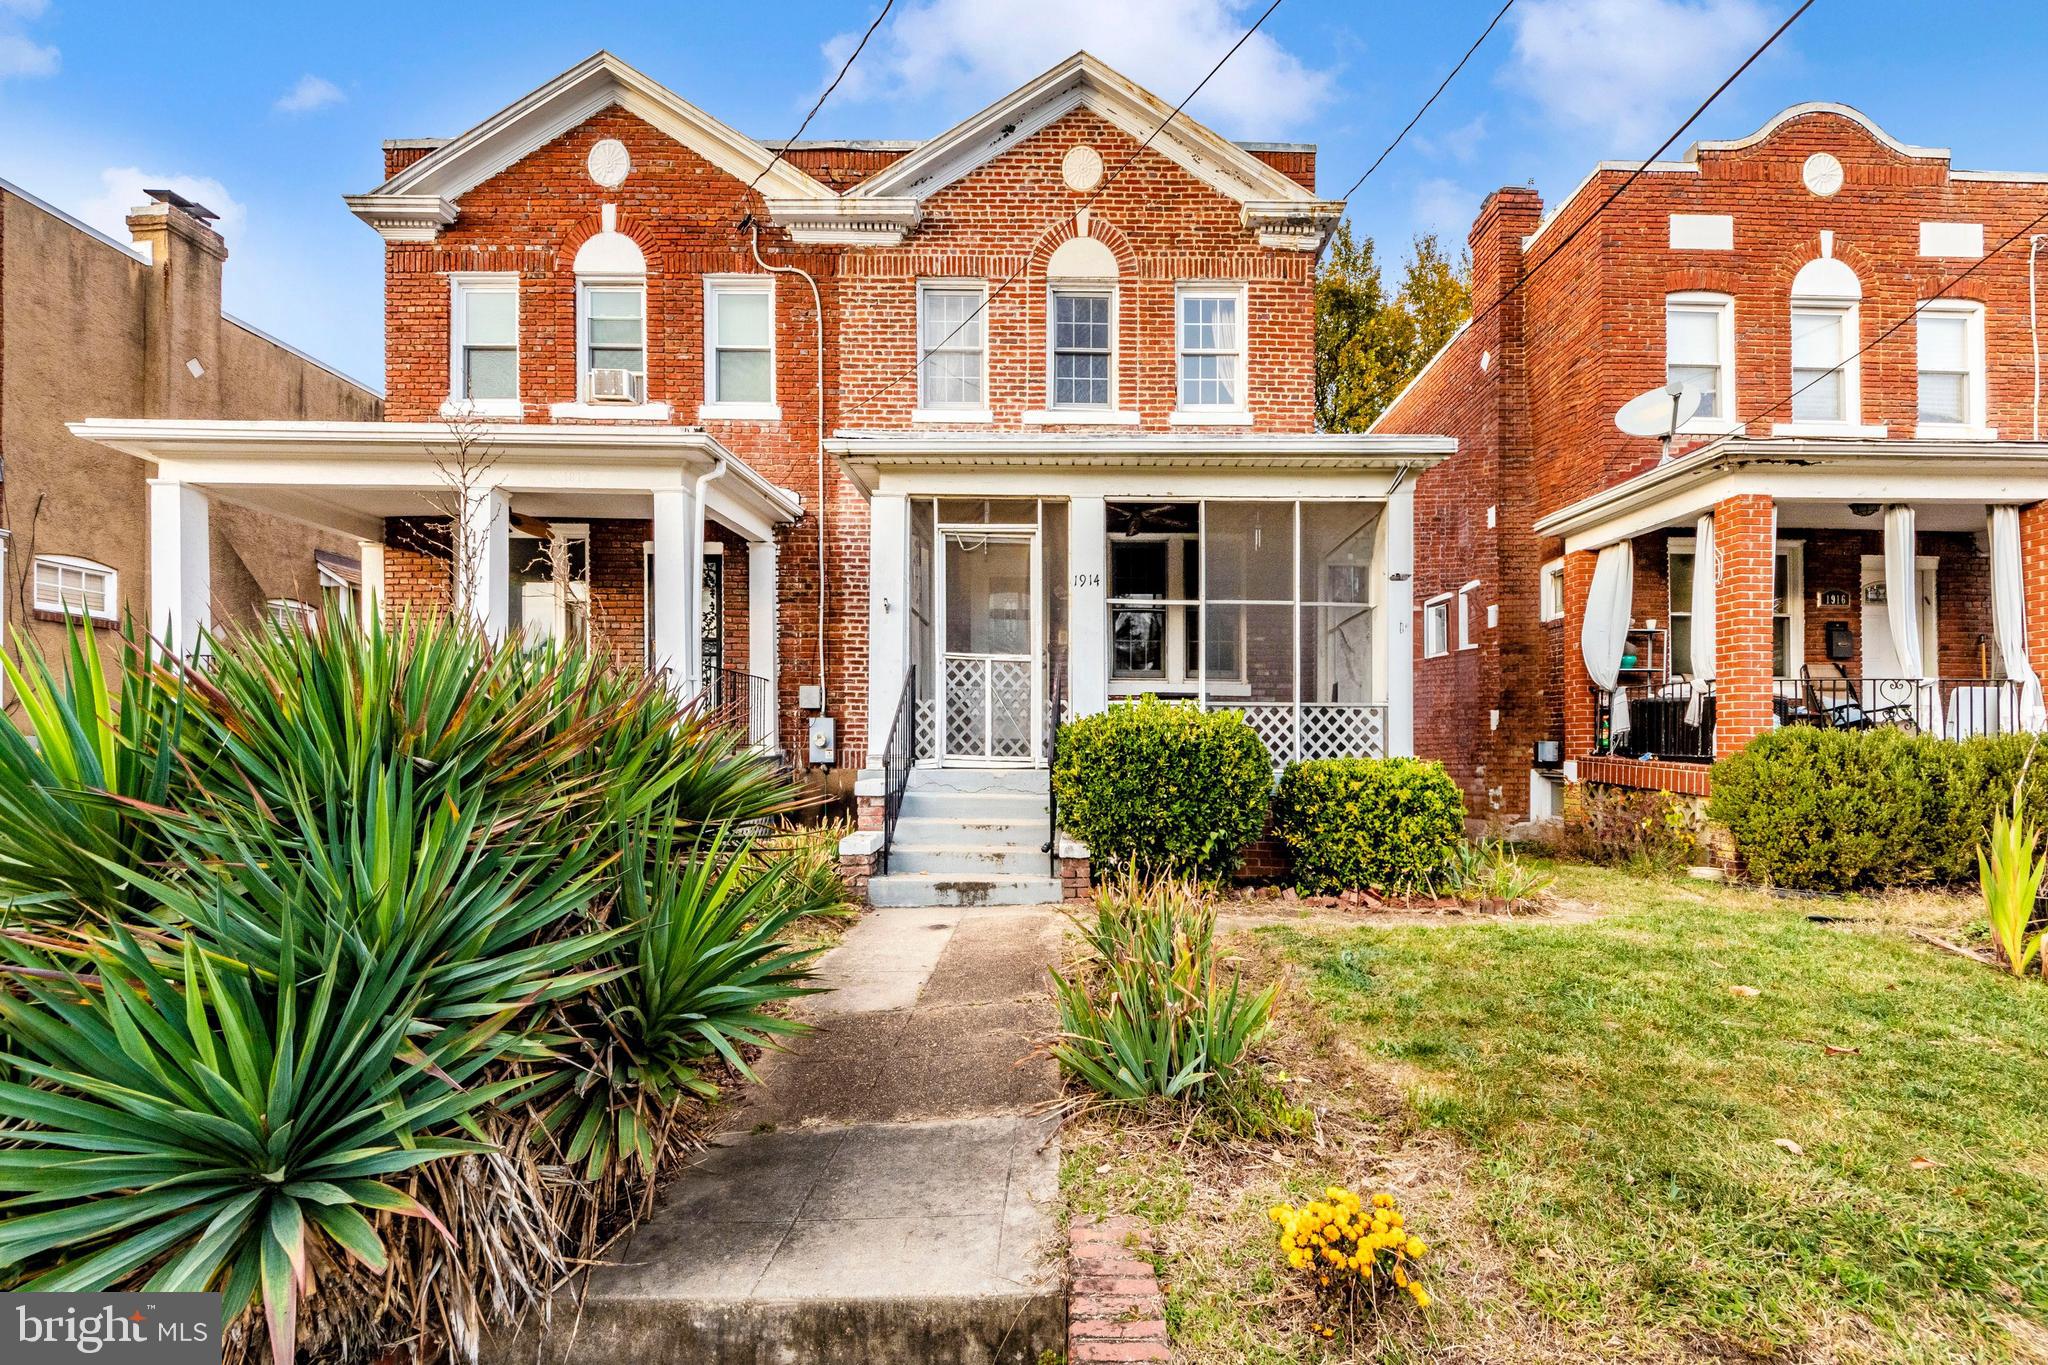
(2009, 616)
(1706, 574)
(1604, 636)
(1902, 610)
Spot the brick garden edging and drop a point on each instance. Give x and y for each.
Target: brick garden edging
(1115, 1311)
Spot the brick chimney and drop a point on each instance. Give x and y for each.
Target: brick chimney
(1508, 215)
(181, 315)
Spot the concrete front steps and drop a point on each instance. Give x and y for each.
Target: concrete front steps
(970, 836)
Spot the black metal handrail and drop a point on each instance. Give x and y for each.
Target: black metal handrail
(1658, 724)
(1954, 708)
(1055, 708)
(738, 699)
(898, 754)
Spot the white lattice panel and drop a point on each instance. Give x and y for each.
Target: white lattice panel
(966, 705)
(1274, 724)
(1343, 731)
(927, 727)
(1009, 720)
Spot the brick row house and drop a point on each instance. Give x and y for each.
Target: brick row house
(912, 446)
(1830, 538)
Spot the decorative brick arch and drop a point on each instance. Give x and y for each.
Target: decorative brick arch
(625, 222)
(1100, 229)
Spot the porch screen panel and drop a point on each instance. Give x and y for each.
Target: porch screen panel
(1248, 626)
(1339, 590)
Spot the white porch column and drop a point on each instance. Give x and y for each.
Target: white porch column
(370, 554)
(888, 613)
(762, 642)
(483, 566)
(1088, 605)
(180, 565)
(1394, 629)
(677, 647)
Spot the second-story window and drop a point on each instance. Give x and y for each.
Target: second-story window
(484, 373)
(1699, 341)
(1820, 350)
(1211, 344)
(1951, 366)
(76, 587)
(740, 354)
(952, 355)
(615, 341)
(1082, 348)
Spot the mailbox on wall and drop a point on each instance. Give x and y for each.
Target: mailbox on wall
(1841, 642)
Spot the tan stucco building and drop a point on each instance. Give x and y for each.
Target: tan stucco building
(90, 327)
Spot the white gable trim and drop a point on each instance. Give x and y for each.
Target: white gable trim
(424, 196)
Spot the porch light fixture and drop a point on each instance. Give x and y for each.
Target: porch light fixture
(1864, 509)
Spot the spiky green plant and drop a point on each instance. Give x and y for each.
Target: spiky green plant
(2010, 871)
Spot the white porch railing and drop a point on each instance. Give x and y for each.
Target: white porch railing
(1316, 729)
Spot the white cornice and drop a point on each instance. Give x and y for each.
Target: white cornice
(855, 222)
(403, 217)
(1293, 224)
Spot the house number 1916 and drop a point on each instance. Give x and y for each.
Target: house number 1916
(1087, 580)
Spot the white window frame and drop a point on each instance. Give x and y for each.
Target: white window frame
(112, 611)
(1550, 592)
(714, 406)
(1795, 599)
(584, 285)
(1975, 386)
(1104, 289)
(1849, 317)
(1205, 414)
(1468, 638)
(927, 410)
(461, 283)
(1436, 626)
(1723, 308)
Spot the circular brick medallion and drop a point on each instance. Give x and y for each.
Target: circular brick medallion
(1822, 174)
(1081, 168)
(609, 163)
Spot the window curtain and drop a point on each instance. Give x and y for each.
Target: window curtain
(1706, 574)
(1604, 636)
(2009, 616)
(1902, 610)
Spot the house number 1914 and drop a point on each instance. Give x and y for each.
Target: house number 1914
(1087, 580)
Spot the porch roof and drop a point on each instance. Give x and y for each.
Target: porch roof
(869, 455)
(351, 475)
(1829, 469)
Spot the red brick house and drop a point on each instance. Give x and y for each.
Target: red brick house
(973, 431)
(1879, 532)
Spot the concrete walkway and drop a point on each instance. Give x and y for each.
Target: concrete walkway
(884, 1194)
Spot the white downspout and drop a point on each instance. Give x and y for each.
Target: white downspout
(2034, 322)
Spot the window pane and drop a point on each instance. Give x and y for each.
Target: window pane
(1693, 336)
(1781, 647)
(1336, 654)
(1816, 339)
(613, 303)
(952, 319)
(490, 317)
(1208, 381)
(1817, 395)
(1707, 379)
(952, 379)
(1208, 323)
(989, 511)
(1336, 550)
(1944, 342)
(1137, 568)
(614, 331)
(1436, 619)
(490, 373)
(1081, 381)
(1681, 643)
(1681, 581)
(1941, 398)
(1249, 551)
(1139, 642)
(742, 317)
(619, 358)
(743, 377)
(988, 595)
(1081, 322)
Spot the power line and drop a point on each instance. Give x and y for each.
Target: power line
(844, 67)
(1070, 217)
(1648, 161)
(1487, 32)
(1918, 308)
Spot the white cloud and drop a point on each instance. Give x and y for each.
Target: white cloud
(122, 188)
(968, 52)
(1627, 67)
(1460, 143)
(21, 55)
(1443, 207)
(24, 9)
(312, 92)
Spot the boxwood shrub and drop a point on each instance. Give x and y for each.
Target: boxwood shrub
(1832, 810)
(1163, 787)
(1392, 824)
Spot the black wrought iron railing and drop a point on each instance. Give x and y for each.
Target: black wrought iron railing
(1055, 710)
(741, 700)
(898, 754)
(1954, 708)
(1662, 722)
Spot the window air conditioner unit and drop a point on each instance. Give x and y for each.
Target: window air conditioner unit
(617, 386)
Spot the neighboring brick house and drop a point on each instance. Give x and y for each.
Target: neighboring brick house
(90, 325)
(1022, 411)
(1752, 270)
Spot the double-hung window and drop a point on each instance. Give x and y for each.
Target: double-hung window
(739, 324)
(1550, 592)
(1951, 367)
(615, 338)
(1699, 344)
(76, 587)
(1083, 347)
(952, 353)
(484, 359)
(1436, 627)
(1210, 337)
(1823, 385)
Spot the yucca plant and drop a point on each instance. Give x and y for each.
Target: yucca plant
(702, 962)
(1156, 1018)
(2010, 871)
(209, 1129)
(62, 839)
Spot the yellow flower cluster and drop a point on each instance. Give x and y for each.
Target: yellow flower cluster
(1350, 1246)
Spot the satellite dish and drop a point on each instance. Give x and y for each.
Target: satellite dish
(1660, 412)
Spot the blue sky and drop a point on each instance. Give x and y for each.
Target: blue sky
(272, 113)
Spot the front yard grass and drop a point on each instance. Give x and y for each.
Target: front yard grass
(1701, 1124)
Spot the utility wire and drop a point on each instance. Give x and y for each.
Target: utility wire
(1066, 218)
(1486, 33)
(844, 67)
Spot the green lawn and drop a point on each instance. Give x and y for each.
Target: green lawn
(1631, 1117)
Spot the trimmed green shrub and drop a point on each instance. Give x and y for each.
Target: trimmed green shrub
(1832, 810)
(1163, 787)
(1393, 824)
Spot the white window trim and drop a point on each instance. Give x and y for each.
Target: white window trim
(1468, 637)
(1723, 306)
(1055, 413)
(926, 410)
(712, 407)
(1546, 609)
(583, 408)
(1849, 317)
(112, 611)
(1977, 385)
(1203, 414)
(491, 281)
(1439, 603)
(1795, 593)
